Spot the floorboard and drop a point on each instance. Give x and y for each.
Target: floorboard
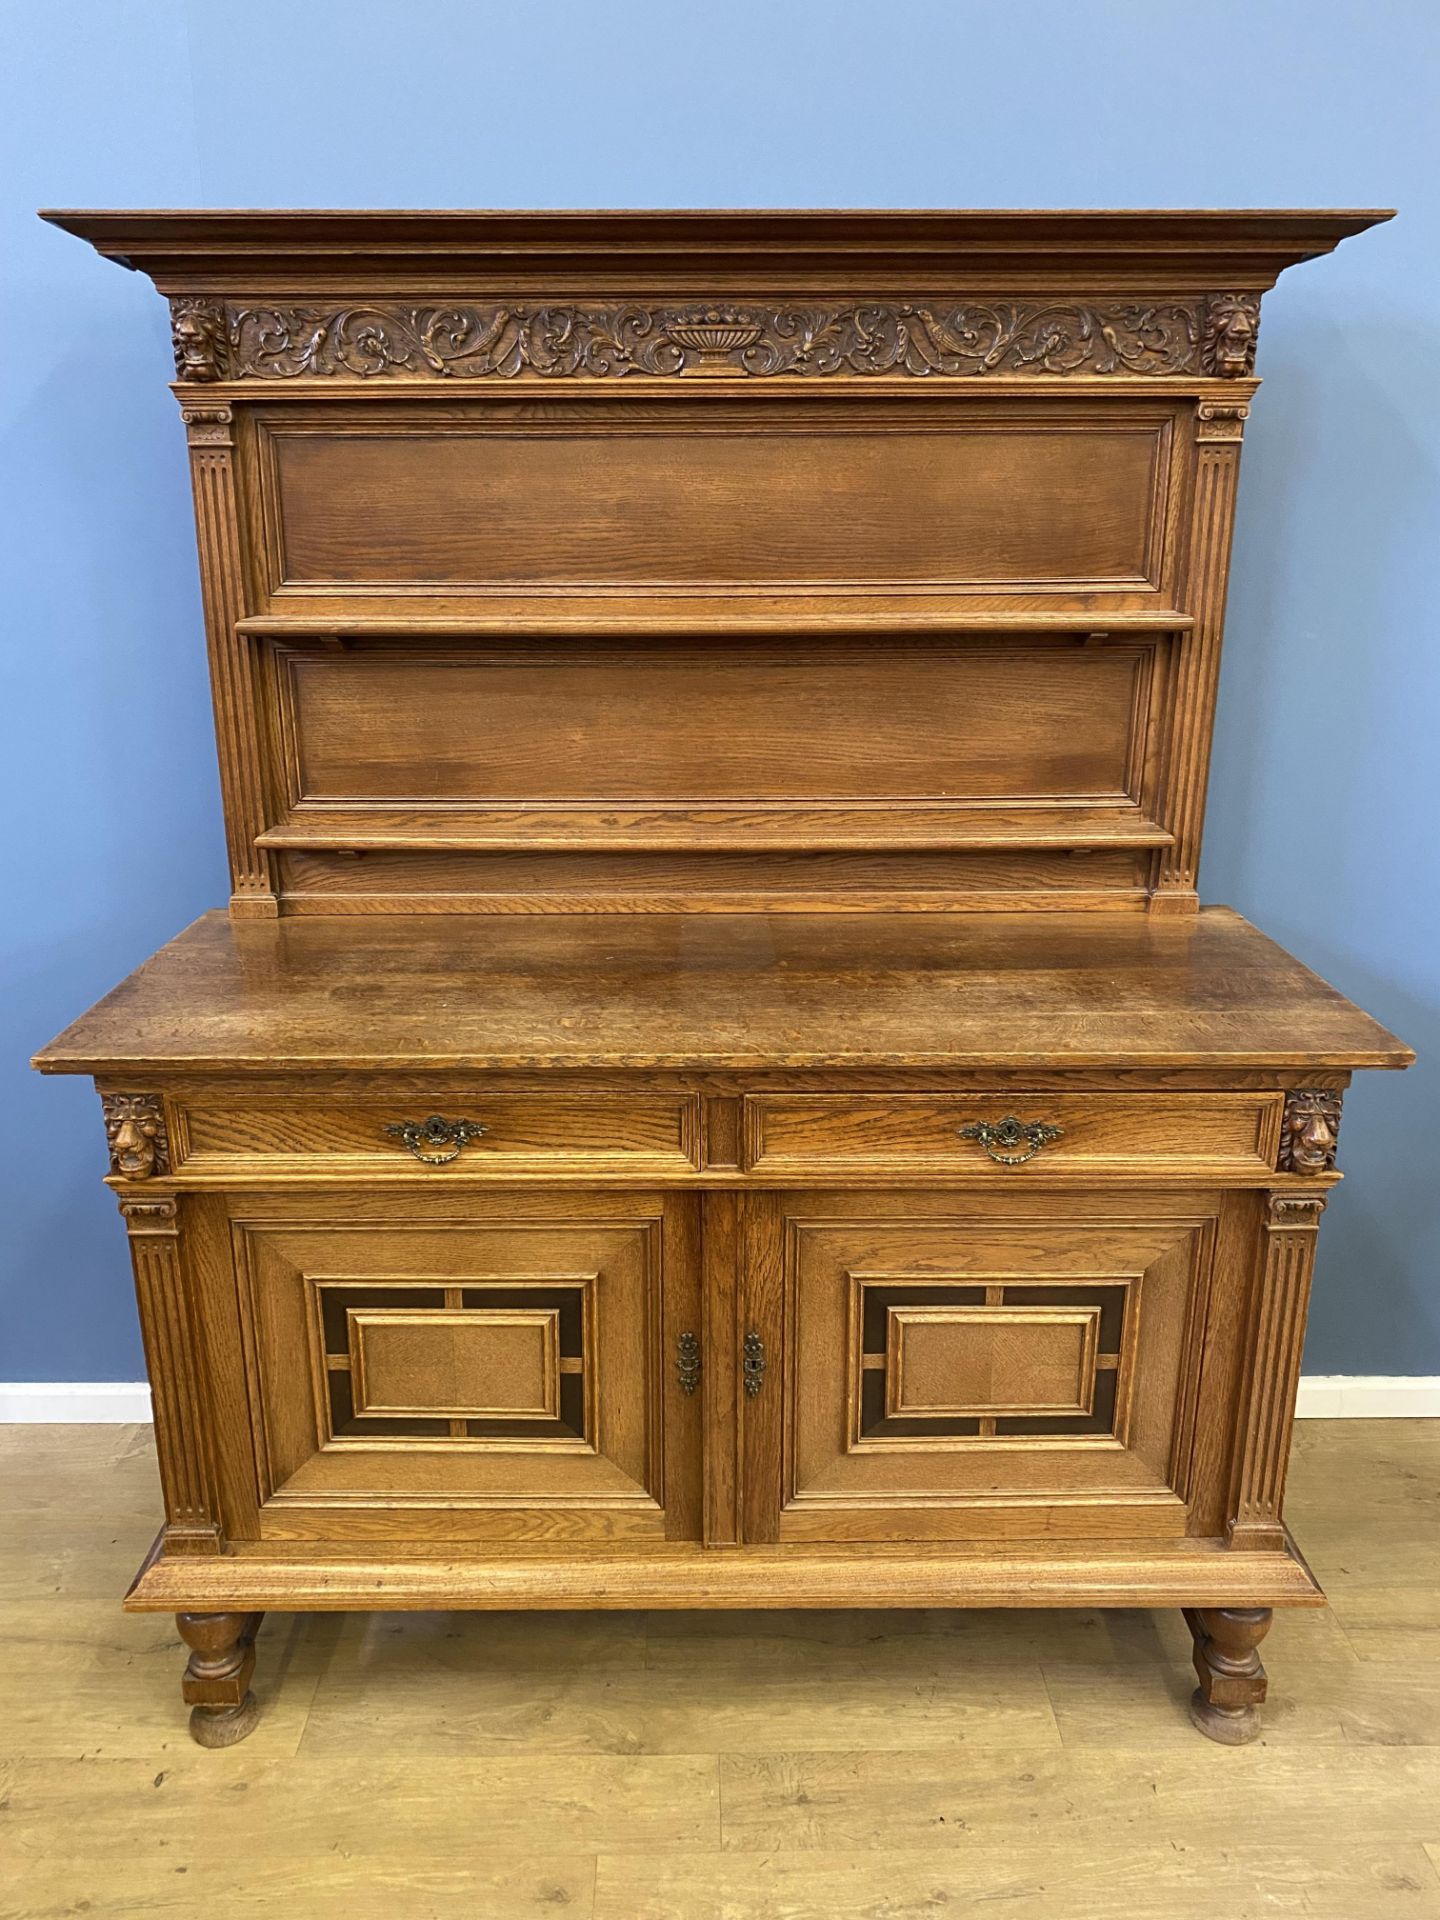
(746, 1766)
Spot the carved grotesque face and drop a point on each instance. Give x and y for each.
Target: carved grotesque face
(136, 1132)
(1234, 323)
(1311, 1124)
(197, 336)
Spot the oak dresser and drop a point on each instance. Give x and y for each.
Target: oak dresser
(714, 1087)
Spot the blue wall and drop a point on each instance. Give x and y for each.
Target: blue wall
(1326, 787)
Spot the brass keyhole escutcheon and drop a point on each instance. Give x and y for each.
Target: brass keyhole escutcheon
(752, 1363)
(687, 1362)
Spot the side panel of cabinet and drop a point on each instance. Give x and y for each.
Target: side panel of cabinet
(499, 1368)
(957, 1367)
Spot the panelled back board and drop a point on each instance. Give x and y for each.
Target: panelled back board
(715, 1086)
(658, 562)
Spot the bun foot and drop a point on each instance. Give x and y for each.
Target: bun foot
(224, 1726)
(1225, 1705)
(216, 1686)
(1231, 1726)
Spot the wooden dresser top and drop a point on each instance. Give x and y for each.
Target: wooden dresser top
(798, 562)
(952, 991)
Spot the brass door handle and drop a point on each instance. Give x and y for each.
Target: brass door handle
(436, 1142)
(752, 1363)
(1012, 1142)
(687, 1362)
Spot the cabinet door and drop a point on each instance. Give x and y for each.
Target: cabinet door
(502, 1372)
(942, 1367)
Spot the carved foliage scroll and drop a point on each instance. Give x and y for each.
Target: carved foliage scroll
(135, 1129)
(220, 340)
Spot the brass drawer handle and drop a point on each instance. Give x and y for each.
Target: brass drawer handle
(752, 1364)
(1012, 1142)
(436, 1142)
(687, 1362)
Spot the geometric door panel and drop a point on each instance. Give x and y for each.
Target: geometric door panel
(985, 1362)
(484, 1363)
(958, 1367)
(504, 1377)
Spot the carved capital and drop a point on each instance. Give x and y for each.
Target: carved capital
(135, 1128)
(1301, 1210)
(158, 1215)
(199, 334)
(1217, 420)
(1309, 1131)
(208, 426)
(1231, 330)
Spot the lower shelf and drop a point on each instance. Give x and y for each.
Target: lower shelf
(1198, 1573)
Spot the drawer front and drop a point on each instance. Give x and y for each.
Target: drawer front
(1233, 1136)
(507, 1134)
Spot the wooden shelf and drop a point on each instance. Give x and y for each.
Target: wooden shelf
(527, 620)
(634, 827)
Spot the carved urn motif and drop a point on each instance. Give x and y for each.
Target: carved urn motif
(715, 334)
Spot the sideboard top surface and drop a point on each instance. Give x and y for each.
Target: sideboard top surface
(755, 991)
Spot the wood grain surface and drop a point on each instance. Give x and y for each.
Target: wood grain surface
(978, 991)
(738, 1766)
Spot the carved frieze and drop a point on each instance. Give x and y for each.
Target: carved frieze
(610, 339)
(135, 1128)
(1309, 1131)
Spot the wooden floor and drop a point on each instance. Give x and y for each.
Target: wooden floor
(737, 1767)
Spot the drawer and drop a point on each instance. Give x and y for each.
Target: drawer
(516, 1133)
(1227, 1135)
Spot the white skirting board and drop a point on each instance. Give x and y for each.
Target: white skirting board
(1323, 1396)
(1369, 1396)
(90, 1401)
